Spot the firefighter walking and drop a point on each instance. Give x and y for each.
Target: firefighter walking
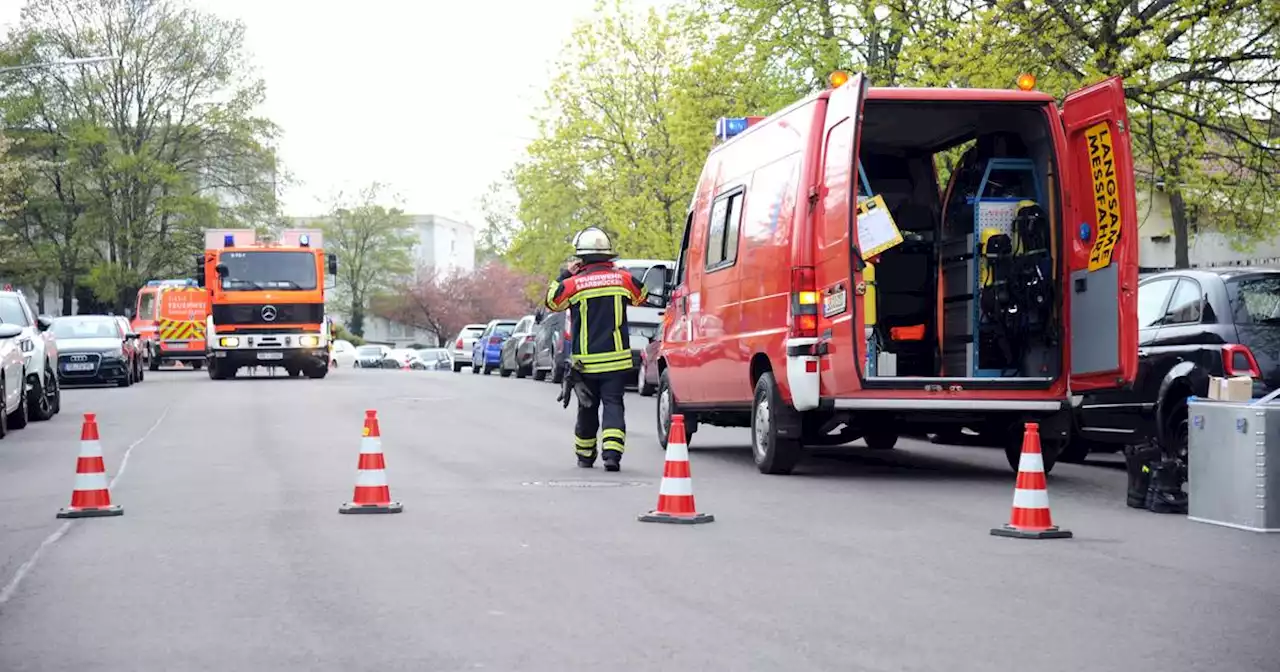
(596, 294)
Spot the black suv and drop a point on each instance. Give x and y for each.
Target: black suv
(1192, 324)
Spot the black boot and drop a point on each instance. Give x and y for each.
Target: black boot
(1165, 493)
(1138, 460)
(586, 462)
(612, 460)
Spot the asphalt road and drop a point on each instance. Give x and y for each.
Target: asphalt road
(231, 553)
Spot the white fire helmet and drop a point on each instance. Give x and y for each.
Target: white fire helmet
(592, 241)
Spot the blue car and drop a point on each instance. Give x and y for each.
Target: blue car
(487, 351)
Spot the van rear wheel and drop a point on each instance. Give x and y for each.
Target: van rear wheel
(774, 454)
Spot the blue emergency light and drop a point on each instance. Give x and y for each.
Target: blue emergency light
(229, 240)
(304, 240)
(728, 127)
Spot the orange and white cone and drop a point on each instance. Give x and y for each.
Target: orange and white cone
(372, 495)
(1031, 518)
(675, 494)
(91, 497)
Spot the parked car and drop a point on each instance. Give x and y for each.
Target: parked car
(549, 353)
(434, 359)
(40, 354)
(463, 345)
(649, 373)
(1192, 324)
(343, 354)
(487, 350)
(13, 400)
(399, 358)
(92, 350)
(134, 349)
(370, 356)
(517, 351)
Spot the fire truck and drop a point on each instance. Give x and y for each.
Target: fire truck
(266, 302)
(170, 316)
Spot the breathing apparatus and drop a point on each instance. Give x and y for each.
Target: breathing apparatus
(1016, 281)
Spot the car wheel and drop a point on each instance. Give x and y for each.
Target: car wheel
(217, 371)
(521, 371)
(668, 407)
(504, 371)
(127, 380)
(880, 440)
(1049, 450)
(488, 368)
(773, 453)
(316, 372)
(457, 367)
(293, 371)
(197, 365)
(39, 401)
(539, 374)
(154, 365)
(142, 372)
(1075, 452)
(55, 397)
(18, 419)
(646, 390)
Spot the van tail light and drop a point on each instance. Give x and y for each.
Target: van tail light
(1237, 360)
(494, 340)
(458, 345)
(528, 338)
(804, 302)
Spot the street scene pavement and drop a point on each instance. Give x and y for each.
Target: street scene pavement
(231, 553)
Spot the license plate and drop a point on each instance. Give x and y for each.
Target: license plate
(176, 346)
(79, 367)
(270, 355)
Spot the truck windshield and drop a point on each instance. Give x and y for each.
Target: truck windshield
(256, 270)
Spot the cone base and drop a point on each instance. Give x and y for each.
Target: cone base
(96, 512)
(389, 507)
(1052, 533)
(690, 519)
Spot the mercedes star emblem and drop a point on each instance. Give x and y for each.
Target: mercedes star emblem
(269, 313)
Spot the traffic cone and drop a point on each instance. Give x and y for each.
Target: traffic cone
(675, 494)
(91, 497)
(1030, 518)
(372, 495)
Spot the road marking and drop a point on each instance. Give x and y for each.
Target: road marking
(25, 568)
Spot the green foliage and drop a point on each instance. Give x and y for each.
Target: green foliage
(129, 160)
(625, 129)
(340, 333)
(373, 244)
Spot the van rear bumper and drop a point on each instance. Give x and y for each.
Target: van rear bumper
(950, 404)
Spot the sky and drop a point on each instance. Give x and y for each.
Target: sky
(431, 98)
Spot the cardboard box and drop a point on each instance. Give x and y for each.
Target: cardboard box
(1235, 388)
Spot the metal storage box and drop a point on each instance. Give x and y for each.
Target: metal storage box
(1234, 464)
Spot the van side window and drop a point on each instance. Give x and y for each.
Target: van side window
(722, 240)
(683, 261)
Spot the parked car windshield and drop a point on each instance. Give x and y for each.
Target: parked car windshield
(81, 328)
(11, 311)
(1255, 300)
(504, 329)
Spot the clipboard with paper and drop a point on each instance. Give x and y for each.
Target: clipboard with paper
(877, 231)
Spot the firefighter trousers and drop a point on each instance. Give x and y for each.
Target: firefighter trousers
(605, 399)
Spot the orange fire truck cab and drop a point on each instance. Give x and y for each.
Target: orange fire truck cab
(830, 288)
(170, 316)
(267, 301)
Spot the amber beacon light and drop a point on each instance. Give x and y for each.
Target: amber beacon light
(1026, 81)
(838, 78)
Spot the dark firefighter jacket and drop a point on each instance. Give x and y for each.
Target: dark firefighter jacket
(597, 297)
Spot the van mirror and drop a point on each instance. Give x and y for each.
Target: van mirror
(8, 331)
(200, 270)
(333, 263)
(44, 322)
(655, 283)
(539, 315)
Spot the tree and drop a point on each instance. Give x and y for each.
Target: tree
(156, 145)
(10, 175)
(443, 303)
(1200, 77)
(374, 246)
(498, 209)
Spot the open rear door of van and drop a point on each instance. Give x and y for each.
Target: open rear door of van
(836, 268)
(1101, 238)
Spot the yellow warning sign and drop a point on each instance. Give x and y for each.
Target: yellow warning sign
(1106, 193)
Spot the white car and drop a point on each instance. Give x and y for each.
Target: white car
(13, 410)
(40, 352)
(463, 343)
(343, 355)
